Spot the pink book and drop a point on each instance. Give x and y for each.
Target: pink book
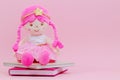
(15, 71)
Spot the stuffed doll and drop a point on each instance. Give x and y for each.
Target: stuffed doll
(36, 47)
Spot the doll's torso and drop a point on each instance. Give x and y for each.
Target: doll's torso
(32, 46)
(37, 40)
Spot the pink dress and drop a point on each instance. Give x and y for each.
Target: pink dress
(32, 47)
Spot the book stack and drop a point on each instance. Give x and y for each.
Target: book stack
(51, 69)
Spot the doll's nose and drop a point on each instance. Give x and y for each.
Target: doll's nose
(36, 26)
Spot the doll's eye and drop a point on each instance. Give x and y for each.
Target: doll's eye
(42, 24)
(31, 24)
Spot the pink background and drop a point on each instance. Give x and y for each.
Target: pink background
(89, 30)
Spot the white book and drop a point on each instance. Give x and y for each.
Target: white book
(38, 66)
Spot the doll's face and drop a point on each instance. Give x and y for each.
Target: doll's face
(36, 27)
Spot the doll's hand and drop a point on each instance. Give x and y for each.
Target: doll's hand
(55, 50)
(18, 57)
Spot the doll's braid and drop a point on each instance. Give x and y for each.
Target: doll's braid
(15, 47)
(56, 42)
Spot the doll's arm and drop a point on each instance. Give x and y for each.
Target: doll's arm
(23, 41)
(49, 42)
(17, 55)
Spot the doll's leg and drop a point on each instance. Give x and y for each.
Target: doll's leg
(44, 58)
(27, 59)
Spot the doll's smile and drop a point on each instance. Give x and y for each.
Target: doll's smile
(36, 30)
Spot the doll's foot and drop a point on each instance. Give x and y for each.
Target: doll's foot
(44, 58)
(27, 59)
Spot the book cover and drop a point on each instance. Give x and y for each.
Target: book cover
(15, 71)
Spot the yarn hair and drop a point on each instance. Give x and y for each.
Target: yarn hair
(31, 18)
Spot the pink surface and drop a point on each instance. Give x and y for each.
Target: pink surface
(89, 30)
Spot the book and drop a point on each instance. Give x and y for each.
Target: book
(38, 66)
(15, 71)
